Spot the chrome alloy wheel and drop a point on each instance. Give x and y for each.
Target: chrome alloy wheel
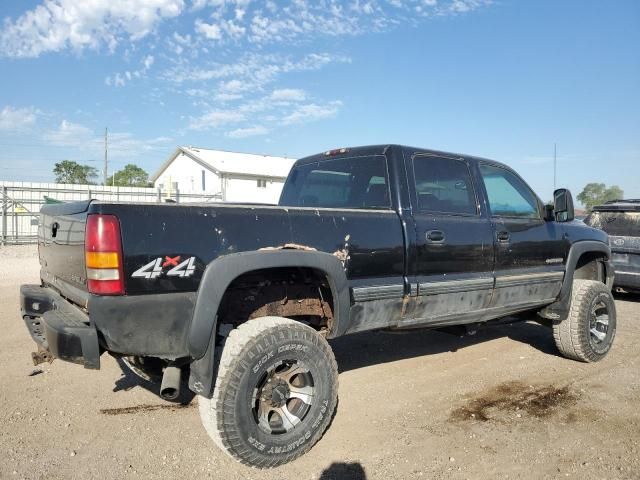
(283, 397)
(598, 323)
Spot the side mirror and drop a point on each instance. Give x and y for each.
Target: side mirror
(563, 205)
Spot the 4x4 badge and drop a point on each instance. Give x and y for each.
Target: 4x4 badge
(155, 268)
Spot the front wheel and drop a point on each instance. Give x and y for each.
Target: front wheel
(275, 393)
(587, 333)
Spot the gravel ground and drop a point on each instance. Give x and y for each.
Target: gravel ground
(500, 404)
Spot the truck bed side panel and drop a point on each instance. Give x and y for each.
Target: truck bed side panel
(369, 242)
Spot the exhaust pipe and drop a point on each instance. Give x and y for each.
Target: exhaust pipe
(170, 386)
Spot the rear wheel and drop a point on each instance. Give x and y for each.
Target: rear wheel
(588, 332)
(275, 393)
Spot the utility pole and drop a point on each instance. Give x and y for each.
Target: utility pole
(105, 157)
(555, 163)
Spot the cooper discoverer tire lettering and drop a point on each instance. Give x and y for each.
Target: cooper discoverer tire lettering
(275, 393)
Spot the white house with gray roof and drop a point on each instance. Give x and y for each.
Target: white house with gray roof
(234, 177)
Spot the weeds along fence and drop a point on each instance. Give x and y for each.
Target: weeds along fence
(20, 203)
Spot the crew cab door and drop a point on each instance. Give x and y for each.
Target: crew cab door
(451, 257)
(530, 252)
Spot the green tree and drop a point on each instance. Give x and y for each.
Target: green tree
(598, 193)
(130, 176)
(69, 171)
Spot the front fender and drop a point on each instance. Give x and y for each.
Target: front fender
(560, 308)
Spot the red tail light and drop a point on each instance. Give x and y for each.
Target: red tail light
(103, 255)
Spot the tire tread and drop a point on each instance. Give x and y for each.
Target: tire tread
(212, 410)
(568, 333)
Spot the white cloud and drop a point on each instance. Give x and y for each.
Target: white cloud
(233, 86)
(210, 31)
(312, 111)
(216, 119)
(268, 112)
(213, 31)
(252, 69)
(247, 132)
(288, 95)
(120, 79)
(246, 92)
(233, 94)
(238, 98)
(298, 18)
(69, 134)
(182, 39)
(124, 144)
(121, 144)
(462, 6)
(178, 43)
(17, 119)
(58, 25)
(148, 61)
(286, 20)
(234, 30)
(227, 97)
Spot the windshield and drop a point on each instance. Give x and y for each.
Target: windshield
(356, 182)
(622, 224)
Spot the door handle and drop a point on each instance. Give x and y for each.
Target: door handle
(435, 236)
(503, 236)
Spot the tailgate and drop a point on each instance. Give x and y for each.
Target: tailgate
(61, 248)
(622, 244)
(625, 254)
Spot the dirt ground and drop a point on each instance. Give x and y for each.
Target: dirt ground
(500, 404)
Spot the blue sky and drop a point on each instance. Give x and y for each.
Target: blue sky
(503, 79)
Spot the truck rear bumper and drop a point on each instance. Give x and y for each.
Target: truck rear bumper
(627, 279)
(627, 268)
(60, 329)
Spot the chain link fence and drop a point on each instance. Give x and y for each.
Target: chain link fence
(20, 203)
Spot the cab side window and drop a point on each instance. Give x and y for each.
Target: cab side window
(508, 195)
(444, 185)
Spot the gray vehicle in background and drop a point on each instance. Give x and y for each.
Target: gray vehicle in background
(621, 220)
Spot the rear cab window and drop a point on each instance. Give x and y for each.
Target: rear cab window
(354, 182)
(616, 223)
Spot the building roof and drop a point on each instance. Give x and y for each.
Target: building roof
(232, 162)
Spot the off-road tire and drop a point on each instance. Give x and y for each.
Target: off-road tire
(572, 335)
(249, 352)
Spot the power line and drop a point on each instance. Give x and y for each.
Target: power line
(22, 160)
(95, 143)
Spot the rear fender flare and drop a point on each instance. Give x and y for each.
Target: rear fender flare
(219, 274)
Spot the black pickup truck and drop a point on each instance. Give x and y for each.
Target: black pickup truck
(242, 298)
